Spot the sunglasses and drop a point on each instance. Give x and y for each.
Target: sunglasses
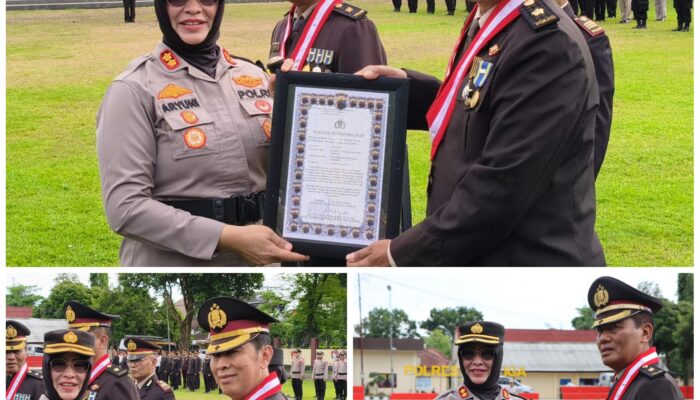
(180, 3)
(60, 365)
(485, 354)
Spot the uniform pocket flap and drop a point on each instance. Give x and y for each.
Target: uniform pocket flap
(179, 120)
(257, 107)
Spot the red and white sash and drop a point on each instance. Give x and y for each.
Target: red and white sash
(16, 382)
(99, 367)
(647, 358)
(317, 19)
(269, 386)
(440, 111)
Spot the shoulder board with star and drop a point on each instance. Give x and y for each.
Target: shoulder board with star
(164, 386)
(587, 25)
(538, 14)
(117, 370)
(350, 11)
(448, 395)
(35, 374)
(652, 371)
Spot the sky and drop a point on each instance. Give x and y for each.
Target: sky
(518, 298)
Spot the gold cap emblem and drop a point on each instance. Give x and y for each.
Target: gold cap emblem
(70, 314)
(477, 328)
(70, 337)
(11, 332)
(601, 297)
(217, 317)
(131, 346)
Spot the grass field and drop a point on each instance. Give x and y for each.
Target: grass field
(308, 389)
(59, 64)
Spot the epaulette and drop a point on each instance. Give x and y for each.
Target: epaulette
(166, 388)
(537, 13)
(257, 63)
(133, 66)
(117, 370)
(35, 374)
(513, 395)
(589, 26)
(651, 371)
(350, 11)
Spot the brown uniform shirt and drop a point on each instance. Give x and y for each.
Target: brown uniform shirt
(167, 131)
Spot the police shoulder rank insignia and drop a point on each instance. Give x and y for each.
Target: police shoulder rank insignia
(349, 10)
(164, 386)
(169, 60)
(537, 13)
(652, 372)
(117, 371)
(70, 314)
(601, 297)
(228, 58)
(505, 394)
(590, 27)
(463, 392)
(216, 317)
(172, 91)
(35, 374)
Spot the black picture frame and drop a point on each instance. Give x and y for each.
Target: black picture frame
(336, 240)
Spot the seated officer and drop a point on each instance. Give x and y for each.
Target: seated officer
(21, 383)
(625, 332)
(141, 355)
(480, 356)
(107, 381)
(240, 350)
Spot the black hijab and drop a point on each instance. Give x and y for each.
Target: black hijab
(48, 381)
(203, 55)
(490, 389)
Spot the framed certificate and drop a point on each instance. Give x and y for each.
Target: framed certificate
(335, 171)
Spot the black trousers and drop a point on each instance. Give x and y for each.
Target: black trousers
(640, 8)
(587, 7)
(574, 6)
(129, 10)
(298, 388)
(431, 6)
(412, 7)
(397, 4)
(320, 386)
(341, 389)
(599, 10)
(451, 4)
(612, 8)
(683, 9)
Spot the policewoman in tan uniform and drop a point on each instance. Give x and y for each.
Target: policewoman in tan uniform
(182, 140)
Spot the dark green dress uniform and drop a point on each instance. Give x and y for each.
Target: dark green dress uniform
(32, 386)
(612, 301)
(348, 42)
(512, 182)
(232, 323)
(601, 53)
(112, 382)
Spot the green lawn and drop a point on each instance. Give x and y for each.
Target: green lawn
(308, 386)
(59, 64)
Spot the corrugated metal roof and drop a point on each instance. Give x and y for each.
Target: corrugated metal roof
(546, 357)
(38, 327)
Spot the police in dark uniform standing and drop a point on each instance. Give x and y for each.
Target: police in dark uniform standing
(480, 346)
(142, 359)
(601, 53)
(640, 8)
(165, 367)
(129, 11)
(235, 325)
(209, 383)
(192, 372)
(512, 179)
(175, 370)
(107, 381)
(625, 324)
(683, 11)
(21, 383)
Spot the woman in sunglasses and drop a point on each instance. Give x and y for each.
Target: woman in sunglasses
(66, 364)
(182, 142)
(480, 355)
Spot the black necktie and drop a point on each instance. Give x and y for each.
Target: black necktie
(296, 32)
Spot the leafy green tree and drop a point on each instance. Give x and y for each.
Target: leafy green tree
(450, 318)
(22, 296)
(136, 309)
(439, 340)
(66, 288)
(382, 323)
(585, 318)
(99, 281)
(685, 287)
(195, 290)
(320, 304)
